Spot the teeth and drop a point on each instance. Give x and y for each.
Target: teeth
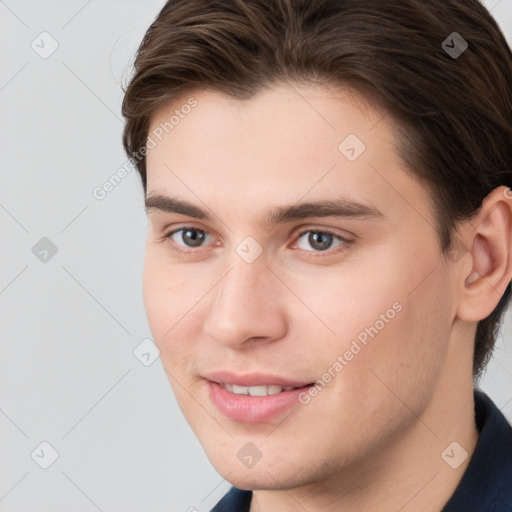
(258, 390)
(240, 390)
(255, 390)
(273, 390)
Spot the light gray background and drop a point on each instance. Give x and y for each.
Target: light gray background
(68, 375)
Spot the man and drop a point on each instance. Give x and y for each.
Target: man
(330, 245)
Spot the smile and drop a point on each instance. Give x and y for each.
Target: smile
(255, 390)
(253, 404)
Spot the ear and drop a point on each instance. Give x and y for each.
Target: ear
(488, 239)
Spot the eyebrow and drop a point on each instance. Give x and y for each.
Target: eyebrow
(341, 207)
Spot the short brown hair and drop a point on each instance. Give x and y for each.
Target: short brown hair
(452, 113)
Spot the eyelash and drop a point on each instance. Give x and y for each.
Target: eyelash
(179, 249)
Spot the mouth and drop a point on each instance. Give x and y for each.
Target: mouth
(264, 390)
(253, 398)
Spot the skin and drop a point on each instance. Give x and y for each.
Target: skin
(372, 438)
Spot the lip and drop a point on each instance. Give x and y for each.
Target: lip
(253, 379)
(252, 409)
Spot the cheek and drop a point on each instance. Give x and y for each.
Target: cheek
(167, 300)
(157, 297)
(350, 305)
(407, 356)
(380, 317)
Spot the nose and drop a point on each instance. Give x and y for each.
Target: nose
(248, 306)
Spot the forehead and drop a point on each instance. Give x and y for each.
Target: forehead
(295, 112)
(285, 143)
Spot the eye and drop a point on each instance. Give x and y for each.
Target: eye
(187, 238)
(319, 240)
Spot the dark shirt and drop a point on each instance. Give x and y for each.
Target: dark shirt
(486, 485)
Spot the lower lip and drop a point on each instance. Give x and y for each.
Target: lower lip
(252, 409)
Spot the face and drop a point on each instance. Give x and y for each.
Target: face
(291, 256)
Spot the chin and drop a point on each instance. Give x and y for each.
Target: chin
(274, 474)
(260, 481)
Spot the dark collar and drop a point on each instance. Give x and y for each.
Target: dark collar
(235, 500)
(486, 485)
